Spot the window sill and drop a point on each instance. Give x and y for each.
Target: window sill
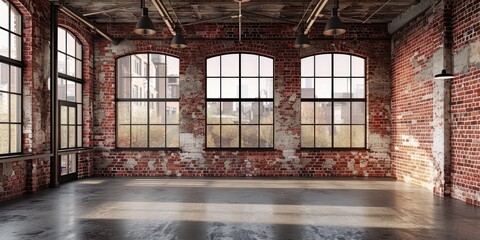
(148, 149)
(335, 149)
(23, 157)
(74, 150)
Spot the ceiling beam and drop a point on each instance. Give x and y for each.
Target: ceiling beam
(162, 10)
(410, 14)
(315, 14)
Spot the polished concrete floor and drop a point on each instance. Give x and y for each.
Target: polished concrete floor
(219, 208)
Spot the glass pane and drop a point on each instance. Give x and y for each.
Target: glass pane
(230, 65)
(16, 47)
(213, 136)
(139, 88)
(62, 89)
(72, 163)
(307, 113)
(213, 67)
(341, 137)
(173, 90)
(307, 136)
(157, 66)
(157, 87)
(15, 138)
(358, 113)
(172, 112)
(250, 112)
(70, 44)
(341, 113)
(123, 67)
(4, 12)
(266, 67)
(266, 136)
(358, 136)
(323, 88)
(139, 65)
(72, 136)
(78, 50)
(266, 112)
(323, 112)
(4, 130)
(249, 65)
(230, 87)
(173, 136)
(139, 113)
(79, 136)
(78, 93)
(323, 65)
(230, 112)
(173, 66)
(78, 69)
(139, 136)
(15, 79)
(61, 63)
(213, 112)
(250, 136)
(4, 39)
(358, 66)
(230, 136)
(63, 136)
(4, 107)
(79, 114)
(15, 108)
(71, 66)
(266, 87)
(64, 164)
(15, 21)
(4, 77)
(61, 40)
(71, 115)
(123, 114)
(341, 88)
(123, 87)
(341, 65)
(307, 86)
(249, 87)
(213, 87)
(323, 136)
(157, 136)
(358, 87)
(307, 67)
(123, 136)
(63, 115)
(70, 91)
(157, 112)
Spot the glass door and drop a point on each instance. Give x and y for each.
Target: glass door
(68, 140)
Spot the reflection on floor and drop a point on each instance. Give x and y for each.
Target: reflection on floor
(259, 208)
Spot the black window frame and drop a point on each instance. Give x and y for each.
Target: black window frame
(332, 100)
(77, 82)
(18, 63)
(240, 100)
(148, 99)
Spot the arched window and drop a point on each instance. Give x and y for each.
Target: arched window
(239, 101)
(10, 79)
(70, 92)
(333, 101)
(147, 101)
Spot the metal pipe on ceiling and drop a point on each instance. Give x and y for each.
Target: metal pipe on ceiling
(162, 10)
(315, 14)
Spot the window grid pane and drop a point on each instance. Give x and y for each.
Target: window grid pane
(148, 101)
(333, 112)
(239, 101)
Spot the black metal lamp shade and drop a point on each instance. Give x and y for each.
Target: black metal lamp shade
(443, 75)
(145, 25)
(178, 41)
(301, 41)
(334, 25)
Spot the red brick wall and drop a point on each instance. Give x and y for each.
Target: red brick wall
(275, 40)
(466, 101)
(412, 98)
(20, 177)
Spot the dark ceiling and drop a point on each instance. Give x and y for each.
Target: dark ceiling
(123, 11)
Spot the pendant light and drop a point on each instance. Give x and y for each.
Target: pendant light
(144, 25)
(443, 75)
(334, 25)
(301, 41)
(178, 41)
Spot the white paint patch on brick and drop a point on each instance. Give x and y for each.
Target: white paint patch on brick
(130, 164)
(329, 163)
(151, 165)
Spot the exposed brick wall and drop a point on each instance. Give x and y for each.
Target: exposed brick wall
(412, 97)
(370, 41)
(21, 177)
(466, 101)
